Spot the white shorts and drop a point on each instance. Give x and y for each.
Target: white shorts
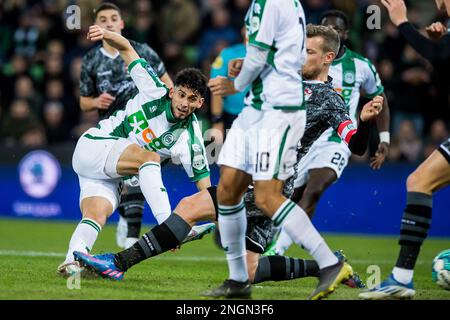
(322, 154)
(263, 143)
(95, 161)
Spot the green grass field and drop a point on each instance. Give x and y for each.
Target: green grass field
(31, 250)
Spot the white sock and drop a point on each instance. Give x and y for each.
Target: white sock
(232, 225)
(300, 229)
(283, 242)
(404, 276)
(153, 189)
(83, 238)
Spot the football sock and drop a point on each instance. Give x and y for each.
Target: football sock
(154, 191)
(300, 229)
(416, 222)
(131, 209)
(278, 268)
(283, 242)
(83, 238)
(232, 225)
(161, 238)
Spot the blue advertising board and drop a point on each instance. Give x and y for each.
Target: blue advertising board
(363, 201)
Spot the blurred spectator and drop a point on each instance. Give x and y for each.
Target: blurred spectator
(314, 8)
(413, 90)
(21, 126)
(406, 145)
(221, 31)
(179, 22)
(24, 89)
(55, 128)
(143, 26)
(438, 133)
(88, 119)
(239, 10)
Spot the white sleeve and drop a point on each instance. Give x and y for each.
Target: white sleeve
(146, 80)
(372, 83)
(263, 21)
(254, 63)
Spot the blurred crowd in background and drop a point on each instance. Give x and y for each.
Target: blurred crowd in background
(40, 63)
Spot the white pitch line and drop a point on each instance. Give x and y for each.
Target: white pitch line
(168, 257)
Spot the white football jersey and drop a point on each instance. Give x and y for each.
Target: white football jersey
(147, 120)
(278, 26)
(352, 73)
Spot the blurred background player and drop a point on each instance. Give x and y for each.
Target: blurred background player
(106, 86)
(432, 175)
(329, 155)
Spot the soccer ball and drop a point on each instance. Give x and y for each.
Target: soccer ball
(441, 269)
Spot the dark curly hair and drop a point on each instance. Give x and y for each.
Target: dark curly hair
(337, 14)
(193, 79)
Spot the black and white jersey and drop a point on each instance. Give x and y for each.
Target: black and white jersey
(101, 72)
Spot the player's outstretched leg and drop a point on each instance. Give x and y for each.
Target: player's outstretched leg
(166, 236)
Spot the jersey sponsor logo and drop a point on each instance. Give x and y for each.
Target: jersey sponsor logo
(254, 24)
(104, 85)
(198, 162)
(349, 77)
(308, 93)
(168, 138)
(257, 8)
(39, 172)
(218, 63)
(196, 148)
(105, 73)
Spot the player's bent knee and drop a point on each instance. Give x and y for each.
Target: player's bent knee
(148, 156)
(418, 182)
(186, 209)
(97, 209)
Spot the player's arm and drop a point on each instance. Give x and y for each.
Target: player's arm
(203, 183)
(167, 80)
(357, 139)
(115, 40)
(157, 64)
(252, 66)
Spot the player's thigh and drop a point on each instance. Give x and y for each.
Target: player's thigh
(99, 198)
(129, 160)
(197, 207)
(431, 175)
(330, 155)
(320, 179)
(96, 155)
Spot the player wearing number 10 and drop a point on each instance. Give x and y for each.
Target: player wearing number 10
(261, 144)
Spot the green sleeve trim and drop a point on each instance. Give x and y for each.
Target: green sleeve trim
(141, 61)
(379, 91)
(200, 176)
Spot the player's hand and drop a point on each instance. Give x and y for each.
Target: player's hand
(221, 86)
(436, 30)
(95, 33)
(104, 100)
(397, 11)
(380, 156)
(234, 67)
(372, 109)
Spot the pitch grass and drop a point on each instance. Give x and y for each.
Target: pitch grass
(25, 274)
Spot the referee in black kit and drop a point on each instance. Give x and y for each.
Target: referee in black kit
(433, 174)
